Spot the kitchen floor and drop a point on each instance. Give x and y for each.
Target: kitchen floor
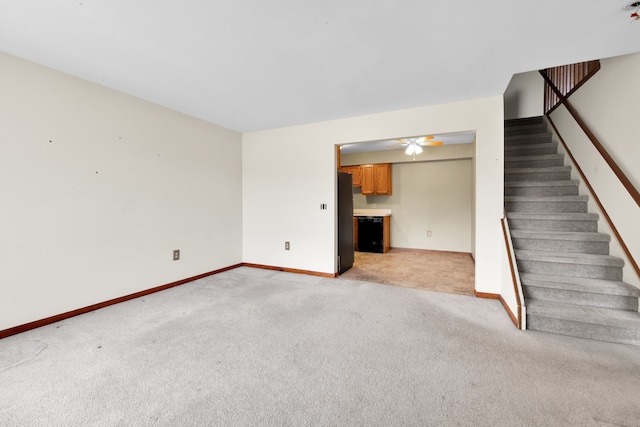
(450, 272)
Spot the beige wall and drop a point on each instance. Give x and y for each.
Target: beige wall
(289, 172)
(608, 103)
(98, 188)
(524, 97)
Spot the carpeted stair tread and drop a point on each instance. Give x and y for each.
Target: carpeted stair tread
(563, 187)
(578, 198)
(553, 221)
(528, 135)
(545, 173)
(525, 129)
(527, 138)
(512, 162)
(535, 157)
(588, 315)
(546, 203)
(534, 162)
(531, 149)
(561, 235)
(557, 183)
(579, 294)
(588, 216)
(539, 169)
(569, 258)
(511, 148)
(608, 287)
(561, 241)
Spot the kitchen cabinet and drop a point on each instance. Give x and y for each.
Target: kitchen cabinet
(376, 179)
(387, 234)
(356, 173)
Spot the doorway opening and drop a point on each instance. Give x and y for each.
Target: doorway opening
(430, 206)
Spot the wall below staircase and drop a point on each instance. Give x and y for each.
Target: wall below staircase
(524, 97)
(608, 103)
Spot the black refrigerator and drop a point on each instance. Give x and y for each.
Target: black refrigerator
(345, 222)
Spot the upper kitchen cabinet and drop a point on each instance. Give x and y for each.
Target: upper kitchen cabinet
(356, 173)
(376, 179)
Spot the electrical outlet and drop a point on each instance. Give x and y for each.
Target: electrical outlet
(176, 254)
(286, 246)
(428, 233)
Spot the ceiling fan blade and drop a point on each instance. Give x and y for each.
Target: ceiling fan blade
(432, 143)
(401, 140)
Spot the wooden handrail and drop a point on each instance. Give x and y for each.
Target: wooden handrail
(623, 245)
(513, 274)
(628, 185)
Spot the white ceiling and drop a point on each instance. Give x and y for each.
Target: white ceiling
(394, 144)
(258, 64)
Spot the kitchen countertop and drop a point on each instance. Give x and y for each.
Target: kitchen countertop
(372, 212)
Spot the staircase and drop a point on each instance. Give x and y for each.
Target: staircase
(572, 286)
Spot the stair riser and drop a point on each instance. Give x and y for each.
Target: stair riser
(510, 141)
(584, 330)
(525, 130)
(537, 176)
(571, 270)
(617, 302)
(537, 151)
(565, 190)
(546, 207)
(529, 121)
(513, 164)
(553, 225)
(573, 246)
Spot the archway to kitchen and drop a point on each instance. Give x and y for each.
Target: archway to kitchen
(431, 208)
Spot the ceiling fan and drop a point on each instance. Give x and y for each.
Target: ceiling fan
(414, 145)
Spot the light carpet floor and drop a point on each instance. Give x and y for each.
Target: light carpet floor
(253, 347)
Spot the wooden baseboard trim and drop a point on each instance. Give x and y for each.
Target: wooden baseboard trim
(513, 317)
(58, 317)
(290, 270)
(485, 295)
(431, 250)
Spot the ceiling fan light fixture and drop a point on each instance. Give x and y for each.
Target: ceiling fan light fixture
(418, 149)
(411, 148)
